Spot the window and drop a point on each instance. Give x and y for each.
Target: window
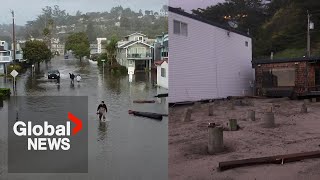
(247, 44)
(180, 28)
(163, 72)
(164, 54)
(284, 77)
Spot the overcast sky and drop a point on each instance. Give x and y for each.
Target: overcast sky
(188, 5)
(26, 10)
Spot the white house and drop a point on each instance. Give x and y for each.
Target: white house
(99, 44)
(207, 60)
(5, 56)
(162, 73)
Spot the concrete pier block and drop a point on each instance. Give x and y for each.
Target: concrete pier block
(251, 115)
(269, 121)
(304, 108)
(314, 100)
(210, 109)
(187, 115)
(233, 124)
(215, 143)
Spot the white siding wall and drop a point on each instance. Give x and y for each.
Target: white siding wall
(162, 81)
(207, 63)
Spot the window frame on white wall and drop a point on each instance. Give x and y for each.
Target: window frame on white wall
(163, 72)
(180, 28)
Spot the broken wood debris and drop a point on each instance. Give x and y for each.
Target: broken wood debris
(162, 95)
(147, 114)
(144, 101)
(279, 159)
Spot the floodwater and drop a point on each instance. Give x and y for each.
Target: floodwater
(126, 147)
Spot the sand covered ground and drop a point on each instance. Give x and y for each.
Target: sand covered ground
(294, 132)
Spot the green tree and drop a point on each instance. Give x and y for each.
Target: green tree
(79, 44)
(112, 50)
(36, 52)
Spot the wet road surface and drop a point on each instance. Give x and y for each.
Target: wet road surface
(126, 147)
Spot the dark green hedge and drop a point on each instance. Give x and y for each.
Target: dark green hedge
(5, 92)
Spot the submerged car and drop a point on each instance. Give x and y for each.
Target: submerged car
(54, 74)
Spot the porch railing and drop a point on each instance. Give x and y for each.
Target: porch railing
(143, 55)
(5, 59)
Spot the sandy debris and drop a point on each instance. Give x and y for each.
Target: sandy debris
(294, 132)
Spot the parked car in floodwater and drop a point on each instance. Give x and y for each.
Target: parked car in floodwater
(53, 74)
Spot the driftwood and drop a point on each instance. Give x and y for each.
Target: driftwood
(279, 159)
(162, 95)
(146, 114)
(144, 101)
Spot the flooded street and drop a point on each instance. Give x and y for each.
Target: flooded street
(126, 147)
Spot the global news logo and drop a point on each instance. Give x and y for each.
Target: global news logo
(47, 136)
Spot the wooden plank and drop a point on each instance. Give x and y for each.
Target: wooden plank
(162, 95)
(144, 101)
(279, 159)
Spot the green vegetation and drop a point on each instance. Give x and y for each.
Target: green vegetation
(36, 52)
(112, 51)
(79, 44)
(119, 70)
(101, 57)
(16, 67)
(279, 26)
(118, 20)
(4, 93)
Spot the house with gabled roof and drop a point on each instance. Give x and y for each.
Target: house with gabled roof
(135, 51)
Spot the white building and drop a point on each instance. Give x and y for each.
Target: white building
(162, 73)
(5, 56)
(99, 43)
(207, 60)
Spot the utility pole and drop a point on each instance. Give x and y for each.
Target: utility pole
(13, 37)
(308, 35)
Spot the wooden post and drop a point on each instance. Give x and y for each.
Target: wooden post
(252, 115)
(215, 143)
(210, 110)
(1, 101)
(304, 108)
(233, 124)
(269, 120)
(187, 116)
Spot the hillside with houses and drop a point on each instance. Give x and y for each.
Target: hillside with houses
(118, 21)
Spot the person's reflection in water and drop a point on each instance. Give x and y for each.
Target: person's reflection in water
(102, 130)
(72, 85)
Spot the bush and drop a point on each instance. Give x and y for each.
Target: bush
(5, 92)
(122, 70)
(16, 67)
(103, 56)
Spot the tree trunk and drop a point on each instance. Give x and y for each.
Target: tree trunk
(38, 66)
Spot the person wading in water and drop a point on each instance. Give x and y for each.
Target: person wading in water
(72, 76)
(102, 110)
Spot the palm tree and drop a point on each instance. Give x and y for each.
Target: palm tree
(112, 50)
